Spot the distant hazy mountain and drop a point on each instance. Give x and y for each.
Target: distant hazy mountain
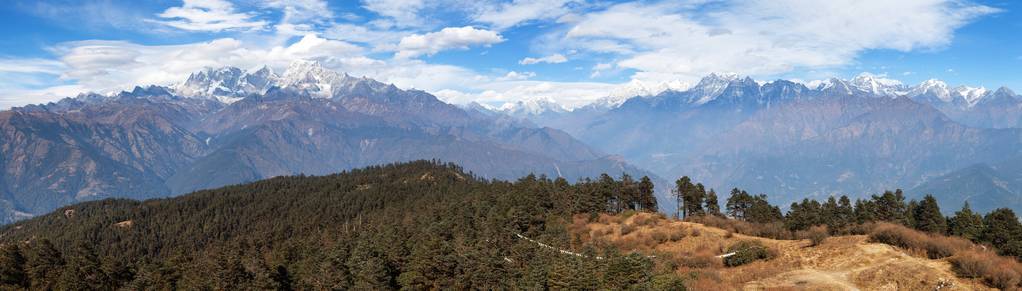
(985, 186)
(226, 126)
(793, 140)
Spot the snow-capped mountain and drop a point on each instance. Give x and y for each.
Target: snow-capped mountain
(877, 85)
(230, 84)
(227, 84)
(534, 106)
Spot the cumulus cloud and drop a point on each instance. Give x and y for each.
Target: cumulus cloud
(445, 39)
(114, 65)
(551, 59)
(208, 15)
(672, 40)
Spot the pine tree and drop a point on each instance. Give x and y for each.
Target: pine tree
(12, 268)
(681, 191)
(966, 223)
(1002, 230)
(647, 197)
(44, 266)
(927, 216)
(83, 270)
(712, 206)
(739, 204)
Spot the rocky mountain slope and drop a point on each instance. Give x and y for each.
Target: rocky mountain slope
(793, 140)
(227, 126)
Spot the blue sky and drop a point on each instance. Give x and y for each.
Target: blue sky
(498, 51)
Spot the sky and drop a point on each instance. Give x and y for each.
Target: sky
(495, 51)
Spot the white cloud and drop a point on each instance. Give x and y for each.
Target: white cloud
(115, 65)
(674, 40)
(445, 39)
(515, 76)
(30, 66)
(511, 14)
(300, 17)
(208, 15)
(551, 59)
(405, 12)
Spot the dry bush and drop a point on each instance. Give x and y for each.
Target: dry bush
(996, 271)
(729, 234)
(861, 228)
(774, 230)
(696, 232)
(644, 220)
(627, 228)
(700, 260)
(660, 236)
(935, 246)
(816, 235)
(676, 234)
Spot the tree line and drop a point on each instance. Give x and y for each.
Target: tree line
(416, 226)
(1000, 228)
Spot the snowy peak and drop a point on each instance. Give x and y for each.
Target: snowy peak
(972, 95)
(876, 85)
(710, 87)
(535, 106)
(226, 84)
(933, 87)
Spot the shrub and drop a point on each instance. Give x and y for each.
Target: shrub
(667, 282)
(696, 232)
(775, 230)
(747, 251)
(701, 260)
(935, 246)
(660, 236)
(994, 270)
(643, 219)
(627, 228)
(816, 235)
(676, 234)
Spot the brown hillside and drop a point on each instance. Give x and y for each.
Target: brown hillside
(839, 263)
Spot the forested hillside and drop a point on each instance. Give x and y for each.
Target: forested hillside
(420, 225)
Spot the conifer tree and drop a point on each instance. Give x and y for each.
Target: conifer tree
(647, 197)
(1002, 229)
(83, 270)
(44, 266)
(966, 223)
(12, 268)
(712, 206)
(927, 217)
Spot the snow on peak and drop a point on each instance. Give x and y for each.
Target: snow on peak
(534, 106)
(226, 84)
(972, 95)
(712, 86)
(933, 87)
(876, 84)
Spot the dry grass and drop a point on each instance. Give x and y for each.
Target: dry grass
(837, 262)
(934, 246)
(767, 230)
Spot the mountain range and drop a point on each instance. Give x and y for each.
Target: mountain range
(227, 126)
(832, 137)
(788, 139)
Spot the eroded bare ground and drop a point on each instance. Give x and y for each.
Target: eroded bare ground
(839, 263)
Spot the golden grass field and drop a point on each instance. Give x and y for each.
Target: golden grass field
(839, 263)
